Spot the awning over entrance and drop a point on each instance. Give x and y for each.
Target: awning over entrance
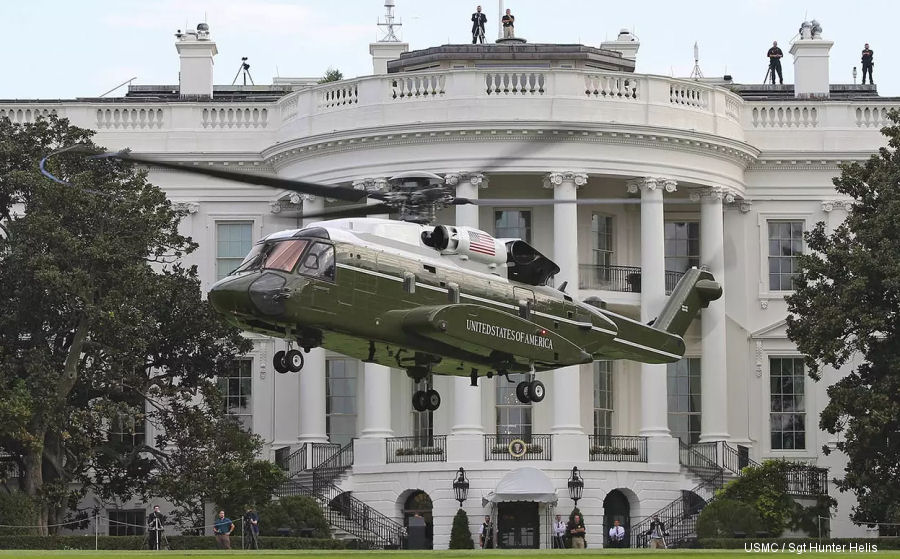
(524, 484)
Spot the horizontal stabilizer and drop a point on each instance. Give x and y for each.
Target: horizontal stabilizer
(696, 289)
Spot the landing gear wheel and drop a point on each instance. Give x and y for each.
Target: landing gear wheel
(419, 400)
(433, 400)
(279, 363)
(523, 392)
(294, 360)
(536, 390)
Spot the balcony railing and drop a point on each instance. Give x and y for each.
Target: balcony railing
(807, 481)
(510, 447)
(415, 449)
(625, 279)
(618, 448)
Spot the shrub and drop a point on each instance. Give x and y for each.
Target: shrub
(723, 517)
(296, 513)
(460, 535)
(17, 508)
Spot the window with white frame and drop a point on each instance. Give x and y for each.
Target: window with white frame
(513, 417)
(234, 239)
(603, 398)
(683, 379)
(512, 224)
(787, 396)
(340, 400)
(126, 522)
(682, 245)
(785, 246)
(602, 239)
(236, 385)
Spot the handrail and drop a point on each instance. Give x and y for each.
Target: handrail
(617, 448)
(704, 468)
(334, 466)
(623, 279)
(412, 449)
(296, 461)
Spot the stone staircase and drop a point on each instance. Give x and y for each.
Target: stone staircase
(350, 519)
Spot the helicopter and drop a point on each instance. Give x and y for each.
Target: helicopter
(428, 299)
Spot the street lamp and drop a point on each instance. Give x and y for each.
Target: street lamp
(576, 485)
(461, 486)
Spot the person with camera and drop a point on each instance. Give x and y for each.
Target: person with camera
(222, 529)
(657, 533)
(155, 521)
(251, 528)
(775, 55)
(478, 21)
(868, 61)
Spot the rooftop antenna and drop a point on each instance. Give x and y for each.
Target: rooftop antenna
(696, 73)
(134, 78)
(245, 68)
(389, 24)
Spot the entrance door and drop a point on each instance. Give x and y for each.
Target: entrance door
(518, 526)
(616, 507)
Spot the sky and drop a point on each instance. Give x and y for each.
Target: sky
(61, 49)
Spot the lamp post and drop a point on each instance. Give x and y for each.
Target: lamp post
(576, 485)
(461, 486)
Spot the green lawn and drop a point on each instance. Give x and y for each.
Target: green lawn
(530, 554)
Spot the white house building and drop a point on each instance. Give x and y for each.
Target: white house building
(695, 172)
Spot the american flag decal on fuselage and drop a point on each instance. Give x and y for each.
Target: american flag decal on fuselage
(481, 243)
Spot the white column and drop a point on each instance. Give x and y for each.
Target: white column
(713, 363)
(377, 397)
(654, 400)
(566, 404)
(312, 377)
(467, 398)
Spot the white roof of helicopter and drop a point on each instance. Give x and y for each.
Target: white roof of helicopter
(346, 229)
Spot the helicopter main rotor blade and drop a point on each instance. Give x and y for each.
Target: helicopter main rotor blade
(302, 187)
(354, 210)
(552, 202)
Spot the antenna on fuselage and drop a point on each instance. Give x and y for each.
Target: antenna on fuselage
(563, 286)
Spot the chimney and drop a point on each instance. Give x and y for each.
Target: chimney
(810, 54)
(196, 51)
(389, 47)
(626, 43)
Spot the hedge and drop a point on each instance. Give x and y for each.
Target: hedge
(175, 542)
(738, 543)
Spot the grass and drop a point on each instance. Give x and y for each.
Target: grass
(529, 554)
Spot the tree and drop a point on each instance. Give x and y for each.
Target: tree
(460, 535)
(723, 517)
(295, 513)
(844, 312)
(332, 75)
(99, 324)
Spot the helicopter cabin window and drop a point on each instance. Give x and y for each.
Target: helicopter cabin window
(234, 239)
(284, 255)
(319, 262)
(512, 224)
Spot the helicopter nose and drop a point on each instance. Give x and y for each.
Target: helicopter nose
(249, 295)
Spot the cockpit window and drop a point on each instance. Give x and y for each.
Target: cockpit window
(284, 255)
(319, 262)
(252, 260)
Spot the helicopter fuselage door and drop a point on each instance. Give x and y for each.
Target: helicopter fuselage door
(319, 266)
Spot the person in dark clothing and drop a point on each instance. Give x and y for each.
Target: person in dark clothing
(577, 532)
(509, 25)
(155, 522)
(487, 534)
(775, 56)
(478, 21)
(251, 528)
(657, 533)
(867, 63)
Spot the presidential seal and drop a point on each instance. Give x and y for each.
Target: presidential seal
(517, 448)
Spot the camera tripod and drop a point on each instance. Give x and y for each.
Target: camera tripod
(245, 68)
(252, 541)
(156, 536)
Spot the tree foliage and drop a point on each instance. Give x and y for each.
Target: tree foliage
(845, 312)
(460, 534)
(332, 75)
(723, 517)
(765, 489)
(295, 513)
(101, 328)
